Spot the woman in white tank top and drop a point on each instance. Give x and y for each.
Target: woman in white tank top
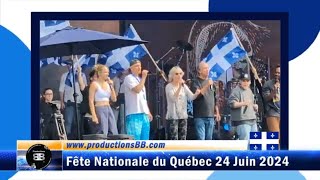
(100, 92)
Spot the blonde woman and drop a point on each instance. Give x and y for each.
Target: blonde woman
(177, 94)
(100, 92)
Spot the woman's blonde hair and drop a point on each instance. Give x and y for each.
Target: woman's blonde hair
(173, 71)
(98, 68)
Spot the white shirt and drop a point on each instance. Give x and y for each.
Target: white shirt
(135, 102)
(177, 106)
(68, 91)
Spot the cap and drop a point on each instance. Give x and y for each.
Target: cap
(234, 80)
(244, 76)
(135, 61)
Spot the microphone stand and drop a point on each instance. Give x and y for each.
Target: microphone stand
(75, 101)
(172, 48)
(183, 52)
(258, 118)
(159, 92)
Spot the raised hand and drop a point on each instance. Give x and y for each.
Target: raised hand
(144, 73)
(109, 81)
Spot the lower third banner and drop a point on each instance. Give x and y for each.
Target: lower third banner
(155, 155)
(191, 160)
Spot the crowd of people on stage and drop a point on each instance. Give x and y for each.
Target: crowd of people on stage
(120, 106)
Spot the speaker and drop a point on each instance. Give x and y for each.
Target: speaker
(95, 137)
(105, 137)
(120, 137)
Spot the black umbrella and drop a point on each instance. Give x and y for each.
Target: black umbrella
(78, 41)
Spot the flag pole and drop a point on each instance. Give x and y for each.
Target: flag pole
(154, 62)
(247, 57)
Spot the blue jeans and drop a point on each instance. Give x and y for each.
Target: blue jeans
(244, 130)
(204, 128)
(70, 121)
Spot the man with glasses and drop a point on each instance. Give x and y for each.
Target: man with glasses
(204, 105)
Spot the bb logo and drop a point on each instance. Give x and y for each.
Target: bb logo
(38, 156)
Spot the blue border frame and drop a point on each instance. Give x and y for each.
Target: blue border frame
(35, 31)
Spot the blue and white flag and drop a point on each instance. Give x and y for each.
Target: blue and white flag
(47, 27)
(86, 61)
(52, 60)
(69, 79)
(264, 141)
(224, 54)
(119, 60)
(51, 26)
(255, 146)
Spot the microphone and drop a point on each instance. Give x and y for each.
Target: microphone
(211, 87)
(277, 80)
(109, 82)
(182, 83)
(150, 73)
(245, 109)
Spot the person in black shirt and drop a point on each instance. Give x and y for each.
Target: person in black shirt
(271, 92)
(88, 127)
(47, 109)
(204, 106)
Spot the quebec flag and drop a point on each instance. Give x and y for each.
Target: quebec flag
(47, 27)
(52, 60)
(50, 26)
(221, 57)
(86, 61)
(264, 141)
(119, 60)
